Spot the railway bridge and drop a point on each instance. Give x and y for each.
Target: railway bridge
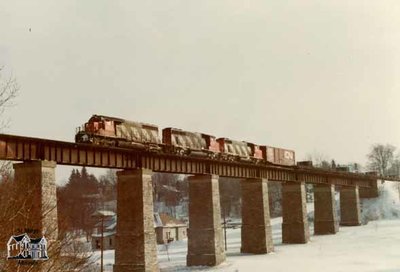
(135, 240)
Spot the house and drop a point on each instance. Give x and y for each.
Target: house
(106, 222)
(166, 227)
(23, 247)
(169, 229)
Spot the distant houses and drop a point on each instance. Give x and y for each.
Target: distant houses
(24, 247)
(166, 227)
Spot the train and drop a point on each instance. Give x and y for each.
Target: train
(112, 131)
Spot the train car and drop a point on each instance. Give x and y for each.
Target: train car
(278, 156)
(256, 151)
(238, 150)
(305, 164)
(189, 143)
(105, 130)
(111, 131)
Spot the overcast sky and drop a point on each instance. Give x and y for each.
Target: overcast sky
(312, 76)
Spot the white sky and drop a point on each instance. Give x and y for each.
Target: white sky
(307, 75)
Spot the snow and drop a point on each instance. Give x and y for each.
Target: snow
(367, 248)
(387, 206)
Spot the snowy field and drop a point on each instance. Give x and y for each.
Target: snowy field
(371, 247)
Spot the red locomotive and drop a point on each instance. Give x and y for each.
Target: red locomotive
(237, 150)
(111, 131)
(105, 130)
(189, 143)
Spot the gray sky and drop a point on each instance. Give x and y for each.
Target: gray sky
(307, 75)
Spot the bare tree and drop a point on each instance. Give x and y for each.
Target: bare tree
(394, 169)
(319, 160)
(8, 92)
(67, 253)
(380, 158)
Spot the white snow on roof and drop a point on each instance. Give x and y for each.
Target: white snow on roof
(103, 213)
(157, 220)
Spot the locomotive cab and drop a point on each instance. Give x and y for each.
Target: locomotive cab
(98, 126)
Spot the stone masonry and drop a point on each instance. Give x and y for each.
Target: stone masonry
(295, 229)
(325, 216)
(371, 192)
(256, 225)
(35, 203)
(205, 237)
(350, 206)
(135, 239)
(36, 199)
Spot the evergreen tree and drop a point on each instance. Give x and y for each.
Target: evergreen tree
(78, 200)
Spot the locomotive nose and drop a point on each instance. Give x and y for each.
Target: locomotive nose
(82, 137)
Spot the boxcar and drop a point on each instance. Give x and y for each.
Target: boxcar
(278, 156)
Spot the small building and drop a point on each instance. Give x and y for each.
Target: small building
(169, 229)
(106, 222)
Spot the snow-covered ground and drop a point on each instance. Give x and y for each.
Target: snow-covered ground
(372, 247)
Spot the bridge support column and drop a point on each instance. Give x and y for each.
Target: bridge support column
(205, 238)
(371, 192)
(135, 239)
(325, 217)
(350, 207)
(36, 199)
(295, 229)
(256, 225)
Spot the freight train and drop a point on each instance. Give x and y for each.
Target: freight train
(111, 131)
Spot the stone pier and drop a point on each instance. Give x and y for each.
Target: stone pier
(325, 216)
(36, 200)
(371, 192)
(135, 239)
(350, 206)
(256, 226)
(34, 205)
(295, 229)
(205, 237)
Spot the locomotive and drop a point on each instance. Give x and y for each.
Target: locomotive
(239, 150)
(111, 131)
(189, 143)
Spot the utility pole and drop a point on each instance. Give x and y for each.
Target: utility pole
(101, 243)
(226, 245)
(102, 230)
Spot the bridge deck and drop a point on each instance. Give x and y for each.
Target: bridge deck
(19, 148)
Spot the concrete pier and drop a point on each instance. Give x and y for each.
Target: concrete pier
(205, 237)
(256, 226)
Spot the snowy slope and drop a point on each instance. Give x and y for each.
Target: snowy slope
(372, 247)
